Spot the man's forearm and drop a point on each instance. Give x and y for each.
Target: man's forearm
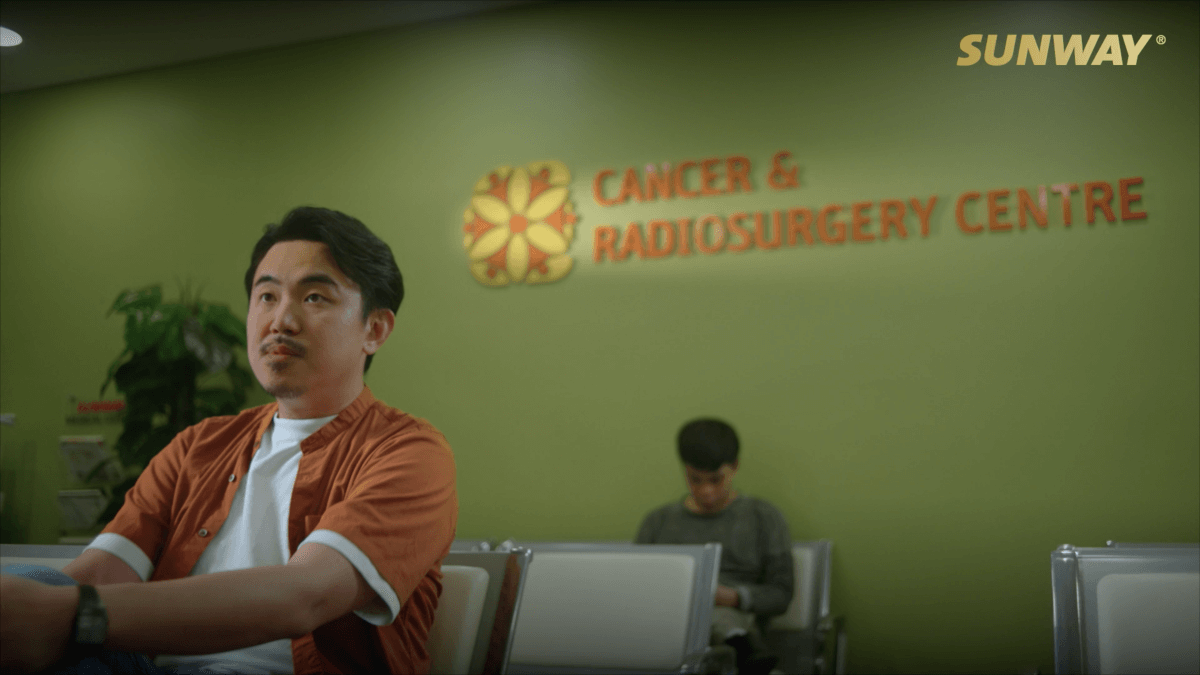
(208, 613)
(97, 567)
(769, 600)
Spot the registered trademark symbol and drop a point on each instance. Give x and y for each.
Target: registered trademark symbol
(1161, 39)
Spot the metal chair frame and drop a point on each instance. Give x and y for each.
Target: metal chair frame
(826, 631)
(1075, 574)
(501, 607)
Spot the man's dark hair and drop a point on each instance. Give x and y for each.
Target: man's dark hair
(358, 253)
(707, 443)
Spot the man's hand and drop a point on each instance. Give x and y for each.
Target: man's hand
(35, 623)
(726, 597)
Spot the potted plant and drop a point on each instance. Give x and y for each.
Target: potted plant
(179, 366)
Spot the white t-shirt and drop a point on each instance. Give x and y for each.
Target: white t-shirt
(255, 535)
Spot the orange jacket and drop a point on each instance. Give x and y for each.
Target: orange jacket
(375, 475)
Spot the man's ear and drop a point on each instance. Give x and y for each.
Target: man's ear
(379, 326)
(734, 466)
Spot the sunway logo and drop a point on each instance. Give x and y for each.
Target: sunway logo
(1035, 49)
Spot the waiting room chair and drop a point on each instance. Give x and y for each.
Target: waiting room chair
(1126, 608)
(608, 607)
(806, 638)
(472, 633)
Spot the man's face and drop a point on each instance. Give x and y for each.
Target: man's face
(305, 333)
(711, 490)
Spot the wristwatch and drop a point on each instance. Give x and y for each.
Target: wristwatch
(91, 619)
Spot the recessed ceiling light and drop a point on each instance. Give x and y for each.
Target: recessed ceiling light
(9, 38)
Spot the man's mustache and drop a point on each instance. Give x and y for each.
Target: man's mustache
(291, 345)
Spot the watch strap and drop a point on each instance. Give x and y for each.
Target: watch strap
(91, 619)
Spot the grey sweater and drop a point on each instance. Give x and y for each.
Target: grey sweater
(756, 548)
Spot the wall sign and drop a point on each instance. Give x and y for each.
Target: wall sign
(1034, 49)
(80, 412)
(521, 221)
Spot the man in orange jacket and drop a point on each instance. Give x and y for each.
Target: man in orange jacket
(304, 536)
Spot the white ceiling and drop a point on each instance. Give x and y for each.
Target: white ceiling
(72, 40)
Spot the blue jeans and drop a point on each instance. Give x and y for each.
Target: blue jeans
(105, 662)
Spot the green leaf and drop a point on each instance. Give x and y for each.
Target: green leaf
(112, 369)
(157, 387)
(143, 375)
(155, 441)
(144, 329)
(241, 380)
(132, 437)
(98, 469)
(117, 498)
(219, 319)
(213, 402)
(171, 347)
(139, 421)
(174, 313)
(207, 346)
(134, 429)
(145, 299)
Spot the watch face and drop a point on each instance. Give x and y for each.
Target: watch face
(90, 629)
(91, 619)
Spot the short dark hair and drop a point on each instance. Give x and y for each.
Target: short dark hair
(357, 252)
(707, 443)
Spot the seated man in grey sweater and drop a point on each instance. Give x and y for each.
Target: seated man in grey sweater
(755, 580)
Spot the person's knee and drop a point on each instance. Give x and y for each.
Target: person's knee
(728, 622)
(40, 573)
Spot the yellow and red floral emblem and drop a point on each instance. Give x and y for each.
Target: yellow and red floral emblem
(520, 225)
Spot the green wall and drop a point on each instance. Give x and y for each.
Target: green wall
(947, 409)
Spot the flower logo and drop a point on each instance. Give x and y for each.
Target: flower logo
(520, 225)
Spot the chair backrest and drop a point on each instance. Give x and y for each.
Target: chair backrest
(1126, 609)
(1138, 544)
(810, 597)
(504, 575)
(612, 607)
(451, 641)
(472, 545)
(50, 555)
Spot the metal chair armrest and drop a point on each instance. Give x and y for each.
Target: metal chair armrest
(830, 647)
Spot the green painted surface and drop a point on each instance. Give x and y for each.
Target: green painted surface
(947, 409)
